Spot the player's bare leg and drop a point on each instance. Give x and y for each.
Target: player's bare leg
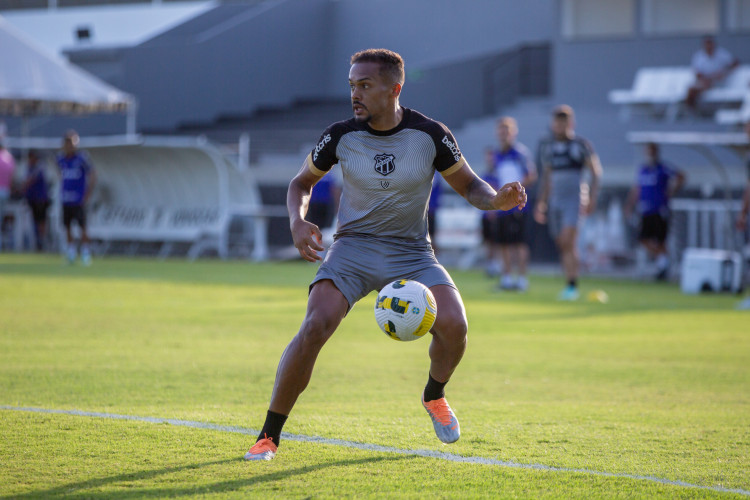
(70, 250)
(446, 350)
(522, 260)
(566, 242)
(506, 279)
(658, 250)
(326, 307)
(85, 250)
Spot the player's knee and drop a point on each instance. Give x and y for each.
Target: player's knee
(317, 329)
(453, 327)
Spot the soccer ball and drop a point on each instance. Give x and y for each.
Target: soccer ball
(405, 310)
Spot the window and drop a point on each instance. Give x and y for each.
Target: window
(665, 17)
(597, 18)
(738, 15)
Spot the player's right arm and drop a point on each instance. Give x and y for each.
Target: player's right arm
(306, 236)
(540, 208)
(745, 210)
(632, 200)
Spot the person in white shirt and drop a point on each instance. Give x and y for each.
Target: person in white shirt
(711, 65)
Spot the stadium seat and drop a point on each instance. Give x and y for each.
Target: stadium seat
(733, 90)
(657, 90)
(735, 116)
(660, 91)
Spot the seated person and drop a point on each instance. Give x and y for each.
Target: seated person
(711, 65)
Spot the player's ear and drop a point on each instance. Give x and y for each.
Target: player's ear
(396, 89)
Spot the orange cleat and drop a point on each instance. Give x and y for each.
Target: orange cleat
(443, 419)
(264, 449)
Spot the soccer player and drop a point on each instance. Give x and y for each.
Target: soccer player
(745, 209)
(36, 192)
(655, 184)
(7, 168)
(564, 158)
(510, 163)
(388, 155)
(78, 180)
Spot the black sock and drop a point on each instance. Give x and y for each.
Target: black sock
(272, 427)
(573, 283)
(434, 389)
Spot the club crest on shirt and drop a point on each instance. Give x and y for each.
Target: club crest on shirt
(385, 163)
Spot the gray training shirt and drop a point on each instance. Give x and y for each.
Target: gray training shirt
(566, 160)
(387, 175)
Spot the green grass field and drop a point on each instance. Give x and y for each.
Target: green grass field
(652, 384)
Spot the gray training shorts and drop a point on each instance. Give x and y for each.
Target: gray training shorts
(359, 264)
(562, 216)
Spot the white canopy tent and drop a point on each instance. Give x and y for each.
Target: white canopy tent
(33, 82)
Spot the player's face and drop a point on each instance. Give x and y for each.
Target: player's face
(709, 46)
(506, 134)
(371, 93)
(69, 145)
(562, 126)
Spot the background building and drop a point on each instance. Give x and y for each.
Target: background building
(274, 71)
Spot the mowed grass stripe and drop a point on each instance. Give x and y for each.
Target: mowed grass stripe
(374, 447)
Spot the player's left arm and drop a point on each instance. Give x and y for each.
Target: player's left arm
(480, 194)
(678, 182)
(530, 177)
(595, 167)
(90, 181)
(745, 210)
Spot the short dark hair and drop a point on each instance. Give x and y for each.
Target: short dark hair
(391, 63)
(563, 111)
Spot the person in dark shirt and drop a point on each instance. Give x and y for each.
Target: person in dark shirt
(566, 159)
(745, 210)
(78, 180)
(656, 182)
(36, 192)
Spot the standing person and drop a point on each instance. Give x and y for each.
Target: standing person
(655, 184)
(512, 163)
(324, 201)
(36, 192)
(78, 180)
(388, 155)
(7, 167)
(711, 64)
(564, 158)
(490, 223)
(745, 210)
(432, 209)
(742, 218)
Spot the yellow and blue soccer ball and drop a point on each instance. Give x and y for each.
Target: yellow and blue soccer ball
(405, 310)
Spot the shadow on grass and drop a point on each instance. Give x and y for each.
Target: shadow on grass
(83, 489)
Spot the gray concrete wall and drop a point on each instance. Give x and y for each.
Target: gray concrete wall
(267, 60)
(301, 48)
(434, 32)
